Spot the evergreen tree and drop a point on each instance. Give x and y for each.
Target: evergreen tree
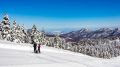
(6, 32)
(18, 33)
(0, 31)
(37, 36)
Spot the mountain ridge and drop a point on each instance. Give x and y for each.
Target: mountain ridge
(93, 34)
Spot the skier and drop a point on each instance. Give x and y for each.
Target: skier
(39, 45)
(34, 45)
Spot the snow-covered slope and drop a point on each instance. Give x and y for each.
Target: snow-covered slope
(21, 55)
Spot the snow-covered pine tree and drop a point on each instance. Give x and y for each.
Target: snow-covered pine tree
(38, 36)
(14, 34)
(18, 33)
(26, 37)
(6, 32)
(0, 31)
(43, 37)
(23, 34)
(34, 34)
(34, 29)
(57, 41)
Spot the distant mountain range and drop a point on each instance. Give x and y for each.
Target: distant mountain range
(86, 33)
(61, 30)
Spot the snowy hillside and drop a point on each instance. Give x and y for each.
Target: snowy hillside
(21, 55)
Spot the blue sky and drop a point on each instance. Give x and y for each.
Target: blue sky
(59, 14)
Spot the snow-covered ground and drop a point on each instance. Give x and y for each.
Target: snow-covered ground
(21, 55)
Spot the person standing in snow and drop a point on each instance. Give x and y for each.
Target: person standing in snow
(34, 45)
(39, 45)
